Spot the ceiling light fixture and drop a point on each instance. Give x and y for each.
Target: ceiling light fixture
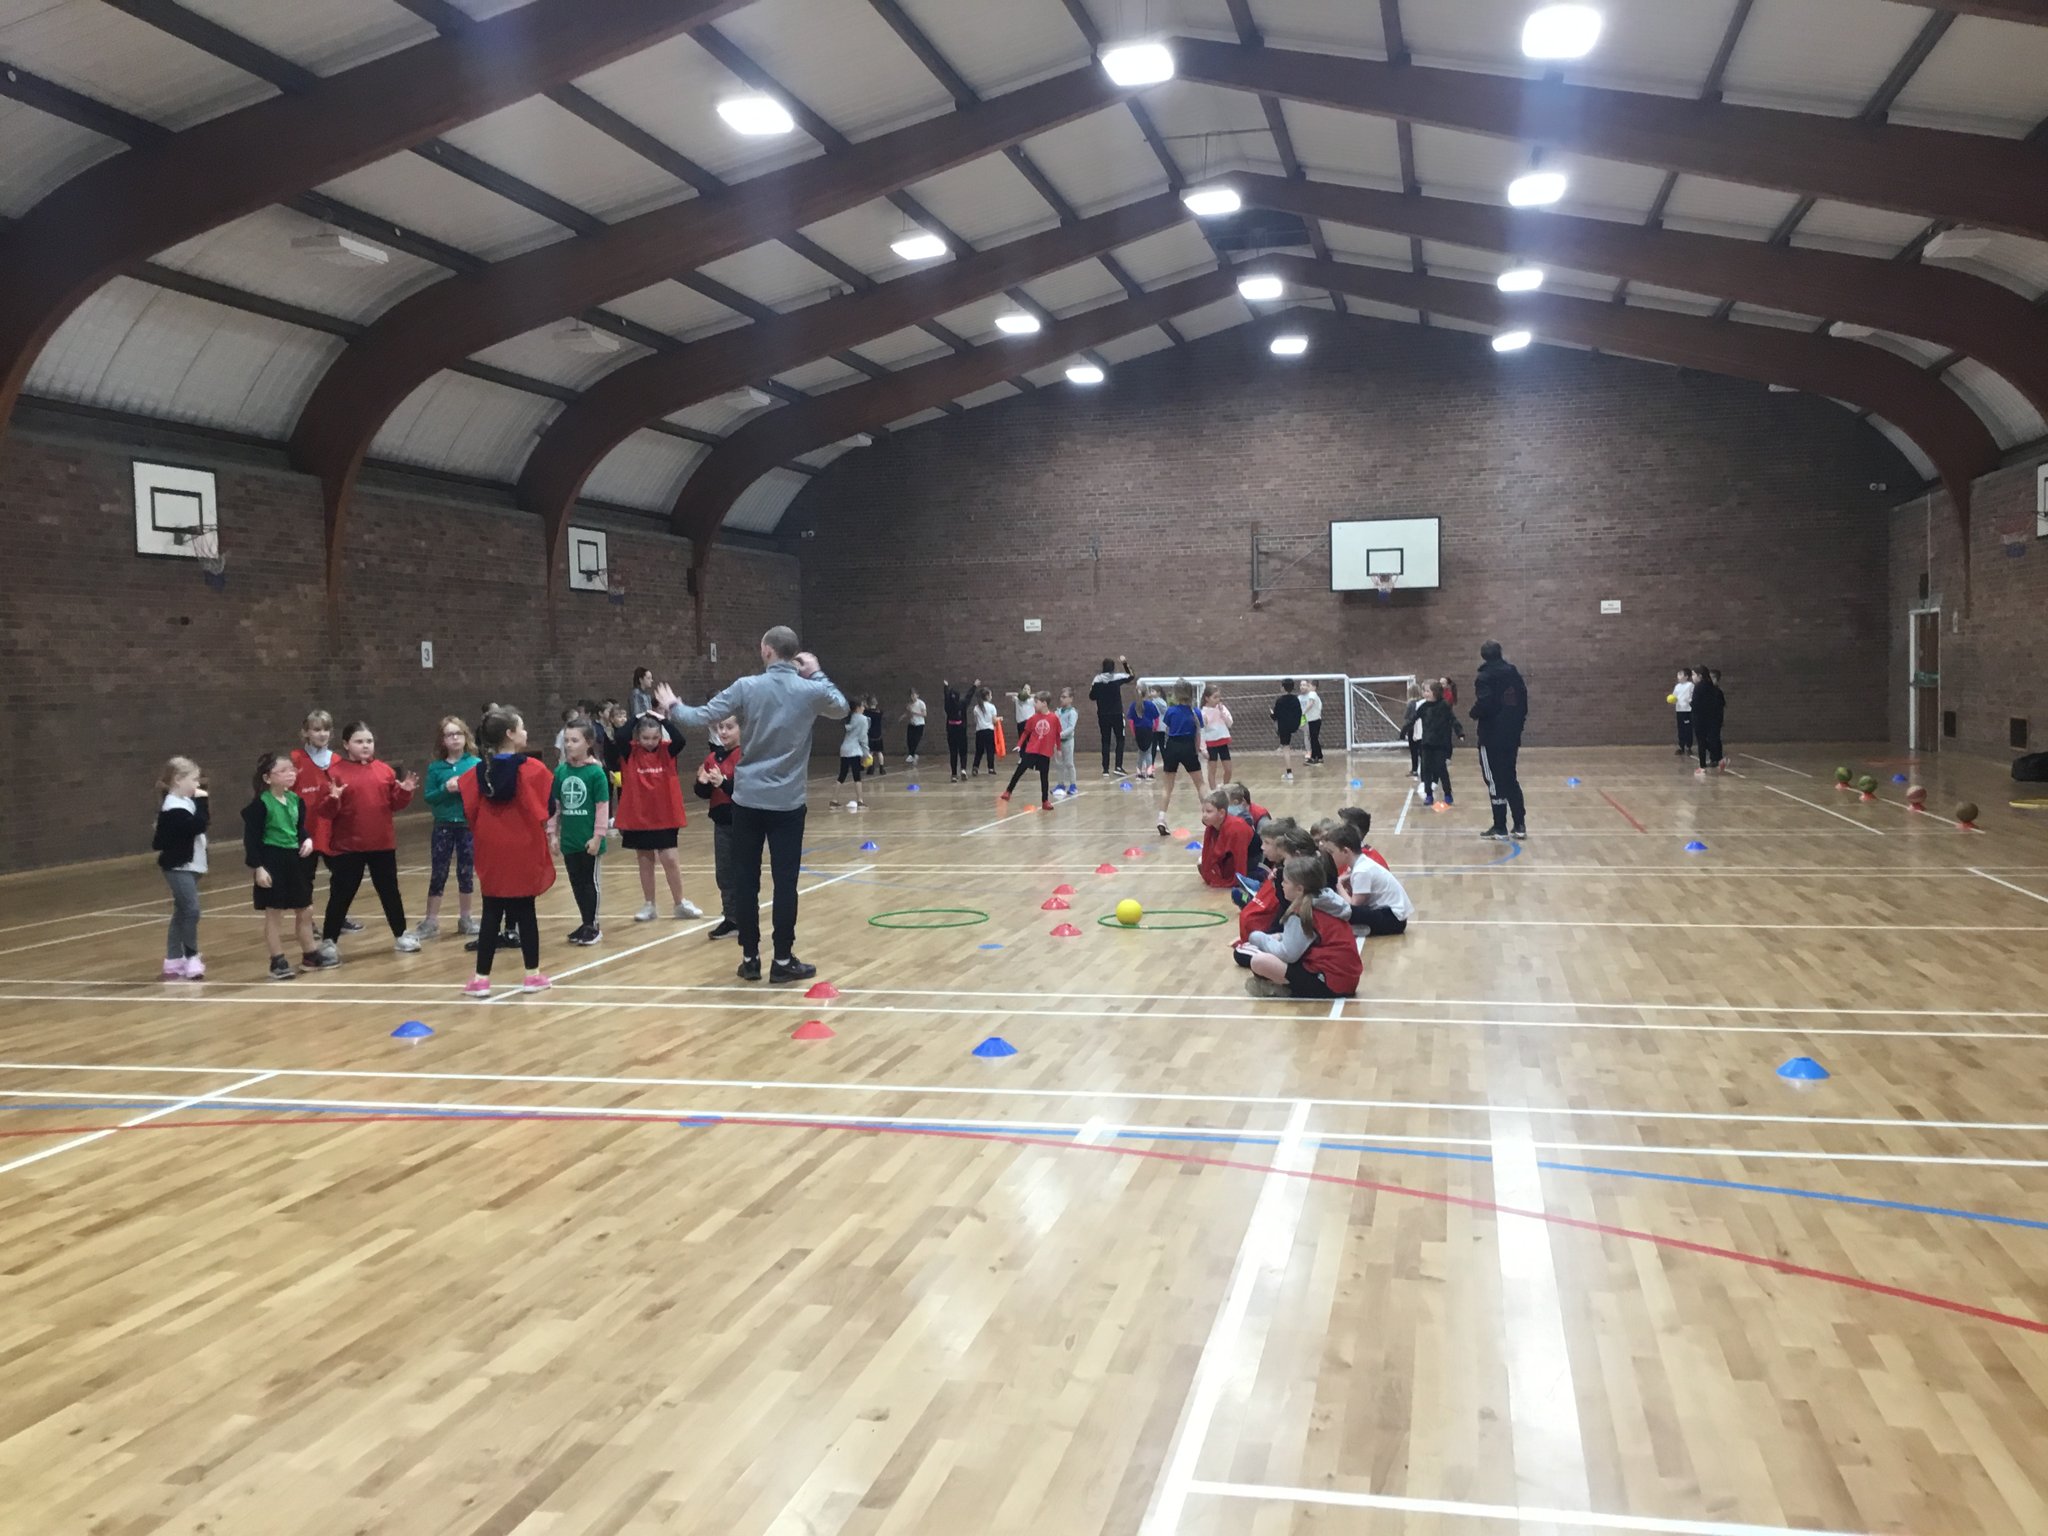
(1212, 202)
(1085, 373)
(861, 440)
(1512, 341)
(1290, 345)
(1138, 63)
(1019, 323)
(1260, 288)
(758, 117)
(1520, 280)
(1536, 189)
(747, 398)
(338, 248)
(1850, 330)
(578, 336)
(1561, 32)
(919, 245)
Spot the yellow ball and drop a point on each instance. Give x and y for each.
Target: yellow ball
(1670, 698)
(1128, 912)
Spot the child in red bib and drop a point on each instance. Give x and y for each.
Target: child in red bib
(1314, 955)
(651, 806)
(1226, 845)
(1038, 740)
(508, 799)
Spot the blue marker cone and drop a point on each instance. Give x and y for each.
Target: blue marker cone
(1803, 1069)
(1695, 847)
(869, 847)
(1125, 786)
(411, 1029)
(1358, 783)
(989, 946)
(910, 789)
(1571, 783)
(1898, 778)
(1192, 847)
(994, 1046)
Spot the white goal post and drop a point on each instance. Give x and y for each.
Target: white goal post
(1360, 714)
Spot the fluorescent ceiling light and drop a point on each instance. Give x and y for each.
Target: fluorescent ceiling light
(1520, 280)
(1288, 346)
(1085, 373)
(1561, 32)
(1018, 323)
(1849, 330)
(1212, 202)
(1261, 288)
(921, 245)
(1958, 245)
(342, 249)
(756, 116)
(1512, 341)
(1138, 63)
(1536, 190)
(587, 339)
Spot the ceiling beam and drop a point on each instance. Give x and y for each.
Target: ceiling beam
(1968, 177)
(1983, 319)
(652, 388)
(126, 209)
(725, 473)
(442, 325)
(2033, 13)
(1933, 416)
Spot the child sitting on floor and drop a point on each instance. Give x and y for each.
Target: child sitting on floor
(1259, 912)
(1313, 955)
(1226, 844)
(1246, 809)
(1378, 904)
(1361, 818)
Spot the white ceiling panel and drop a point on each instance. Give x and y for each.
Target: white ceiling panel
(132, 347)
(818, 458)
(672, 90)
(675, 309)
(977, 321)
(1464, 261)
(1784, 320)
(1909, 347)
(42, 152)
(819, 376)
(461, 424)
(1709, 207)
(484, 10)
(1205, 123)
(1073, 289)
(984, 201)
(255, 254)
(1322, 26)
(723, 415)
(1375, 247)
(1819, 55)
(1372, 311)
(2004, 409)
(908, 346)
(1167, 254)
(1466, 164)
(860, 236)
(771, 274)
(107, 55)
(1000, 47)
(1603, 189)
(1649, 296)
(1055, 373)
(1665, 47)
(1861, 231)
(931, 414)
(646, 470)
(761, 505)
(1344, 146)
(1212, 318)
(1984, 76)
(840, 60)
(1922, 465)
(407, 190)
(990, 395)
(1099, 161)
(539, 355)
(2012, 261)
(1124, 348)
(551, 148)
(326, 38)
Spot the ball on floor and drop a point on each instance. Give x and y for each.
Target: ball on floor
(1842, 775)
(1916, 797)
(1128, 912)
(1059, 794)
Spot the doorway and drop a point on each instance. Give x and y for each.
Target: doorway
(1923, 665)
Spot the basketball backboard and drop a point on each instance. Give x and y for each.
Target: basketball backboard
(175, 508)
(589, 567)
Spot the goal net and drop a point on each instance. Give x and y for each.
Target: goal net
(1359, 713)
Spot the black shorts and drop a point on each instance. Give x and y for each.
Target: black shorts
(1179, 752)
(649, 839)
(1303, 982)
(1219, 751)
(291, 881)
(1287, 738)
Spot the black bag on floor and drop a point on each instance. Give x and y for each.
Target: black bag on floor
(2032, 769)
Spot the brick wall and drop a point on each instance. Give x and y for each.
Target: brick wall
(1994, 649)
(1736, 527)
(114, 662)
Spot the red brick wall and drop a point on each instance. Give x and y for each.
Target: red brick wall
(1994, 649)
(114, 662)
(1737, 528)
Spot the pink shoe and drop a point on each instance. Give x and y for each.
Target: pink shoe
(174, 970)
(535, 983)
(477, 986)
(195, 968)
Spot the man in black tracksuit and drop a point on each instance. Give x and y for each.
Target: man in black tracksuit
(1500, 704)
(1107, 692)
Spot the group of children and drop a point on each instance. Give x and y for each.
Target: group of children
(1701, 707)
(500, 815)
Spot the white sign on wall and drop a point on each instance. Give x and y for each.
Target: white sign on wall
(426, 655)
(1033, 626)
(1610, 605)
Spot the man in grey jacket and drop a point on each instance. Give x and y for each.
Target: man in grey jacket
(777, 709)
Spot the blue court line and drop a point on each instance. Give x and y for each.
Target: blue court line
(1804, 1194)
(1514, 852)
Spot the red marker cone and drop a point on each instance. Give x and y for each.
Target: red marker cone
(1105, 869)
(1134, 853)
(1054, 904)
(1063, 890)
(1182, 832)
(823, 990)
(1066, 931)
(812, 1029)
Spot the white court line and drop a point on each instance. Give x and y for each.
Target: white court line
(1268, 1237)
(1517, 1514)
(1094, 1131)
(143, 1119)
(2010, 886)
(1405, 804)
(1824, 810)
(94, 933)
(1782, 767)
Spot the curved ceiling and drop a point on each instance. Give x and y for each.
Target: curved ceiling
(589, 282)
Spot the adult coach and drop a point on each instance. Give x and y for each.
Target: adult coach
(778, 709)
(1107, 691)
(1500, 705)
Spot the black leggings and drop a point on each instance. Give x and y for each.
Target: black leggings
(1315, 741)
(1435, 771)
(956, 745)
(582, 869)
(1710, 742)
(1414, 758)
(1685, 730)
(849, 765)
(912, 735)
(345, 877)
(509, 913)
(1025, 763)
(985, 746)
(1112, 728)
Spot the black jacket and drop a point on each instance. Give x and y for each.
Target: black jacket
(256, 820)
(1108, 693)
(177, 830)
(1439, 725)
(1287, 713)
(1500, 701)
(1709, 705)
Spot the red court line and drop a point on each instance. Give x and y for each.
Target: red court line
(1624, 811)
(1677, 1244)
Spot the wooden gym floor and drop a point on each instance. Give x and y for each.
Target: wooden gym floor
(1530, 1237)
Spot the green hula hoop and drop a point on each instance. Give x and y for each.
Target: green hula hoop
(966, 917)
(1208, 920)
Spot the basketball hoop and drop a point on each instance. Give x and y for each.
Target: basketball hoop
(213, 565)
(1384, 585)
